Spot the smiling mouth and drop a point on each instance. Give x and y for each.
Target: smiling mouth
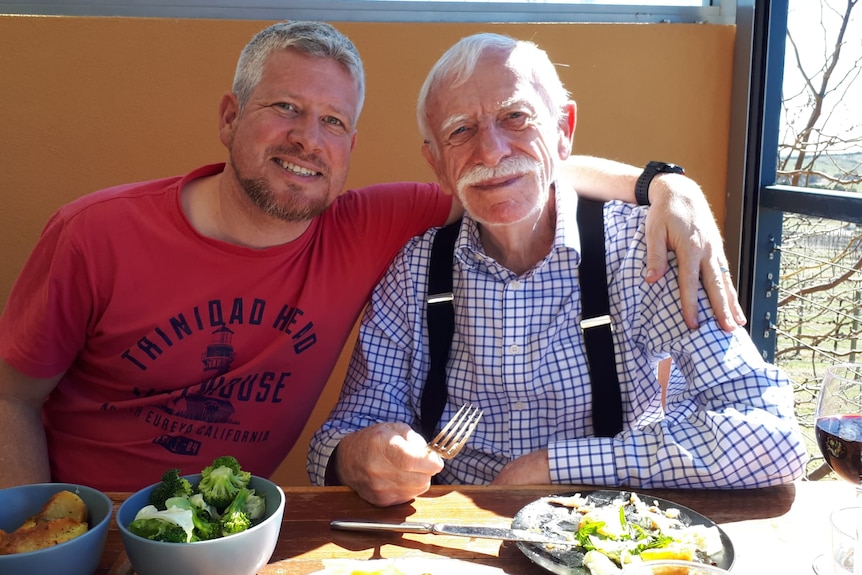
(298, 170)
(490, 184)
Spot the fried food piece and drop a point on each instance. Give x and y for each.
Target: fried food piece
(43, 534)
(64, 504)
(61, 518)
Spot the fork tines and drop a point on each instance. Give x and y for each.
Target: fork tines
(453, 437)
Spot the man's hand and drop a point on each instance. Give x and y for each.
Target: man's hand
(530, 469)
(681, 220)
(386, 464)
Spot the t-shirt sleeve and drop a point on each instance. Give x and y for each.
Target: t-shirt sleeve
(407, 209)
(374, 223)
(44, 323)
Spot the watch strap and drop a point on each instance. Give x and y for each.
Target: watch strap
(651, 170)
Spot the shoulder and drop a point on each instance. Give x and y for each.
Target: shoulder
(403, 195)
(397, 210)
(120, 198)
(411, 265)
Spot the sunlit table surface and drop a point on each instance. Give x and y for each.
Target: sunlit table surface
(774, 531)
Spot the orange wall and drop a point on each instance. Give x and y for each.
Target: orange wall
(91, 102)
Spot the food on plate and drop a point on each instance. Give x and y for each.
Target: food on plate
(220, 505)
(627, 530)
(414, 565)
(387, 570)
(61, 518)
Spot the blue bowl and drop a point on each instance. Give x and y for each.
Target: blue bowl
(239, 554)
(78, 556)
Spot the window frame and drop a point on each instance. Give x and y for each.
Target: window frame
(718, 12)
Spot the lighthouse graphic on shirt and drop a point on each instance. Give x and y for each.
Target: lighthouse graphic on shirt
(217, 359)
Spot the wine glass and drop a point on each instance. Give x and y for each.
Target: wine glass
(838, 430)
(838, 427)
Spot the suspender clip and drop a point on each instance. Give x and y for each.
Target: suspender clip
(597, 321)
(441, 297)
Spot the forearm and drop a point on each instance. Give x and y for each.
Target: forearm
(729, 418)
(23, 448)
(704, 450)
(602, 179)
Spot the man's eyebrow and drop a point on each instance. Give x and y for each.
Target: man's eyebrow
(452, 121)
(518, 102)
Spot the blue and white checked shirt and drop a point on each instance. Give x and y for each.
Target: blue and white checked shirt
(518, 354)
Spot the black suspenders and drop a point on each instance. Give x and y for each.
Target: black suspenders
(441, 326)
(595, 323)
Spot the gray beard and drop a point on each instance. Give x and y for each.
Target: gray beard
(289, 210)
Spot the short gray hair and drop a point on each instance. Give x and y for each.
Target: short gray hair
(458, 63)
(317, 39)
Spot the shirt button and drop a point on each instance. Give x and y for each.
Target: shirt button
(514, 348)
(519, 406)
(515, 285)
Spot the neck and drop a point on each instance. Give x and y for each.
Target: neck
(218, 208)
(518, 247)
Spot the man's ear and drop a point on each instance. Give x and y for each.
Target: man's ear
(428, 154)
(568, 121)
(228, 111)
(435, 161)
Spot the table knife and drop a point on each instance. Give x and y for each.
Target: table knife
(449, 529)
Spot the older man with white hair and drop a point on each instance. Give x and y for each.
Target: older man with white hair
(498, 124)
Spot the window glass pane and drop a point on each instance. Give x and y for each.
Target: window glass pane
(821, 140)
(819, 290)
(819, 308)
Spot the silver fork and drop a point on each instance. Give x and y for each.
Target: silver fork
(452, 438)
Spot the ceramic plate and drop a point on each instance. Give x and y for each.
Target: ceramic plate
(551, 518)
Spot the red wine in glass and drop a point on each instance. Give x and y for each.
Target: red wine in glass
(839, 438)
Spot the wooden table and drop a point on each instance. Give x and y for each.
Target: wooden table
(777, 530)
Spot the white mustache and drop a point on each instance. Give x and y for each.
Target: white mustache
(507, 168)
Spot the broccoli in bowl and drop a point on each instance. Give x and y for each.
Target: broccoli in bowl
(219, 504)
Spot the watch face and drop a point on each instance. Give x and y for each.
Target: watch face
(651, 170)
(666, 168)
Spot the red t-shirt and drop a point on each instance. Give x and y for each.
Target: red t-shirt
(178, 348)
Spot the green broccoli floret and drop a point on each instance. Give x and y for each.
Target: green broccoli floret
(221, 481)
(198, 501)
(158, 530)
(174, 525)
(229, 461)
(172, 485)
(205, 526)
(235, 519)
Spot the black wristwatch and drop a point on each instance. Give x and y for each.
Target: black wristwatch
(651, 170)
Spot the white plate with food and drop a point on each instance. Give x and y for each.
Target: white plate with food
(406, 566)
(609, 528)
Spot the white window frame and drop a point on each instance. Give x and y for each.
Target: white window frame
(717, 12)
